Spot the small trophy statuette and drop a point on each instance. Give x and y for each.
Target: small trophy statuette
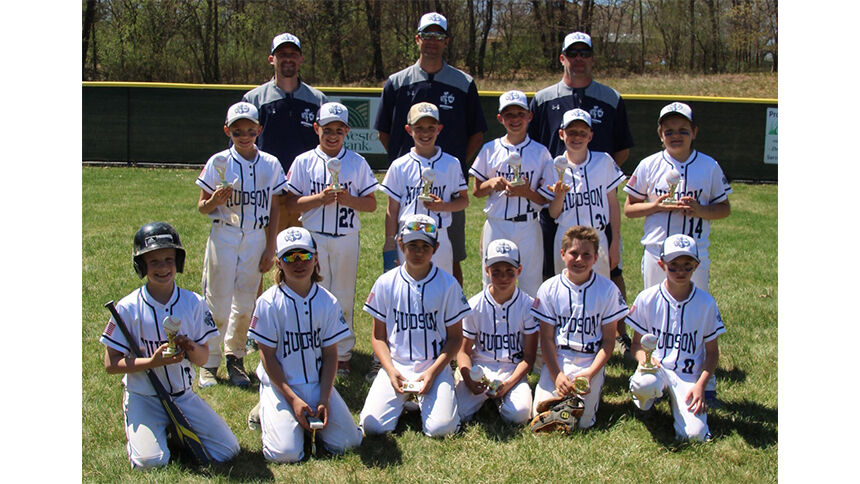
(580, 385)
(560, 164)
(516, 162)
(220, 165)
(672, 180)
(477, 375)
(649, 344)
(333, 167)
(171, 329)
(428, 175)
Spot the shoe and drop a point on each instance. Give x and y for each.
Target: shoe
(343, 369)
(207, 377)
(411, 405)
(254, 418)
(236, 371)
(375, 366)
(711, 399)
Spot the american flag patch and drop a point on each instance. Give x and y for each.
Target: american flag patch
(369, 297)
(253, 322)
(632, 180)
(109, 328)
(290, 172)
(632, 308)
(536, 304)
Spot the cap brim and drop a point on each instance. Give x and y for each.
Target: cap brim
(237, 118)
(493, 260)
(286, 42)
(675, 255)
(406, 238)
(306, 247)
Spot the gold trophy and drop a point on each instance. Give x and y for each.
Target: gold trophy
(333, 167)
(649, 344)
(428, 175)
(580, 385)
(171, 329)
(516, 162)
(672, 180)
(477, 374)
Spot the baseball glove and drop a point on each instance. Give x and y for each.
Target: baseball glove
(557, 413)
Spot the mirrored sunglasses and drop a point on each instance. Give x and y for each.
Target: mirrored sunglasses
(422, 226)
(302, 255)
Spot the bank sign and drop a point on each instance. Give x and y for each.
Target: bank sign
(362, 138)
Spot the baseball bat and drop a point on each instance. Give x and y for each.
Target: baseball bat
(188, 439)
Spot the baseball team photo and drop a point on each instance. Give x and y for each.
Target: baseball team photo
(429, 240)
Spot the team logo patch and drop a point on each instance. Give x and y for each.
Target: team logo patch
(109, 328)
(342, 319)
(596, 113)
(209, 320)
(446, 100)
(621, 300)
(307, 117)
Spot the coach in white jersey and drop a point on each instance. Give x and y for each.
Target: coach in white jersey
(239, 190)
(702, 194)
(588, 185)
(332, 215)
(512, 210)
(158, 255)
(297, 325)
(403, 183)
(578, 311)
(686, 321)
(499, 340)
(416, 309)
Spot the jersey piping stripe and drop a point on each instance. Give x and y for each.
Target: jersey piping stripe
(154, 312)
(361, 193)
(298, 328)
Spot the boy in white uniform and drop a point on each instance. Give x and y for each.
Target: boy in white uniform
(297, 324)
(512, 209)
(239, 191)
(416, 310)
(330, 214)
(158, 255)
(686, 322)
(586, 193)
(499, 339)
(403, 184)
(578, 311)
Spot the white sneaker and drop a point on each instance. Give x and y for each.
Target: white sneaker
(207, 377)
(254, 418)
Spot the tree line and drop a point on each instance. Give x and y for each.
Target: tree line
(360, 42)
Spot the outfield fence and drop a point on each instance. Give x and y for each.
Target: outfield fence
(181, 124)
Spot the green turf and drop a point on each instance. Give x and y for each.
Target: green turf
(117, 201)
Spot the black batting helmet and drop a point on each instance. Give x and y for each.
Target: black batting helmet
(154, 236)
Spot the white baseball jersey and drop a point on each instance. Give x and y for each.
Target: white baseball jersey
(578, 312)
(143, 316)
(701, 178)
(254, 183)
(682, 327)
(587, 200)
(308, 176)
(298, 328)
(403, 183)
(416, 313)
(492, 162)
(499, 329)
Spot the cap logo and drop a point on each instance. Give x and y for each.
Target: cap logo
(242, 109)
(676, 107)
(511, 96)
(293, 235)
(682, 243)
(425, 108)
(335, 109)
(437, 18)
(154, 239)
(503, 248)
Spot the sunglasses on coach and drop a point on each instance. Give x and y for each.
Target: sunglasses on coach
(432, 36)
(297, 256)
(584, 53)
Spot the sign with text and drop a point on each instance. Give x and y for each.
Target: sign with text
(362, 138)
(770, 137)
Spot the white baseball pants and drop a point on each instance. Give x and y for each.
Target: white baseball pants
(572, 363)
(648, 387)
(338, 258)
(515, 407)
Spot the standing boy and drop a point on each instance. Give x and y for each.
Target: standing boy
(158, 255)
(512, 209)
(500, 339)
(239, 190)
(330, 213)
(578, 310)
(686, 322)
(416, 310)
(406, 179)
(586, 194)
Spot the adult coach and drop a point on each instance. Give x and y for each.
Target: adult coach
(578, 89)
(288, 108)
(453, 91)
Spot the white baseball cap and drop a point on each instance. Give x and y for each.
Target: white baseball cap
(676, 108)
(502, 250)
(242, 110)
(422, 110)
(677, 245)
(419, 227)
(433, 18)
(333, 112)
(295, 238)
(284, 39)
(513, 98)
(575, 115)
(575, 37)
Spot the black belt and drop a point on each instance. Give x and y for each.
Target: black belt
(565, 347)
(177, 394)
(521, 218)
(217, 221)
(330, 235)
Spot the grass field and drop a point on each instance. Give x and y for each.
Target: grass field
(117, 201)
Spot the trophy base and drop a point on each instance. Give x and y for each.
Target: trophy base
(669, 202)
(648, 369)
(335, 188)
(170, 352)
(425, 198)
(517, 183)
(580, 385)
